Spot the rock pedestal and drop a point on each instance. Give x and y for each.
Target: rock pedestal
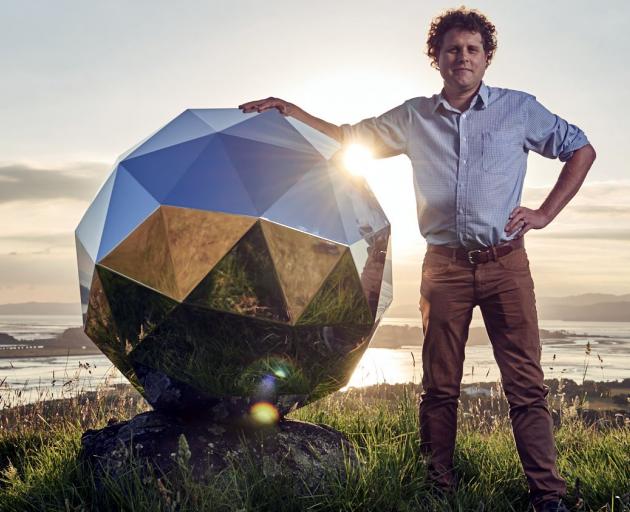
(302, 452)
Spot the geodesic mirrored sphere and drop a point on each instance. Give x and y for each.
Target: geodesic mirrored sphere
(227, 260)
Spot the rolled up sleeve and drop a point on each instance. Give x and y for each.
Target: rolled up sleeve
(549, 135)
(385, 135)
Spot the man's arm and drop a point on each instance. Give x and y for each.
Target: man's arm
(289, 109)
(573, 173)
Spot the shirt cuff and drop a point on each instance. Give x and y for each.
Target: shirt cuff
(578, 142)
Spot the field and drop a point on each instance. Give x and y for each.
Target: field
(39, 444)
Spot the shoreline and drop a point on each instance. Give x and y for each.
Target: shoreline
(593, 399)
(33, 353)
(73, 341)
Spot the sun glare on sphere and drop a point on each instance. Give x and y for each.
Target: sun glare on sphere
(357, 159)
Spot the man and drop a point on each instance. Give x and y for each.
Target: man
(468, 146)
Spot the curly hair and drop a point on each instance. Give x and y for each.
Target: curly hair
(463, 18)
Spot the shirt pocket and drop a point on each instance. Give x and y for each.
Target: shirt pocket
(500, 151)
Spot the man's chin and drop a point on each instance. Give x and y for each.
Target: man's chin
(465, 85)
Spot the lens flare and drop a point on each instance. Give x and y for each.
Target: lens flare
(281, 373)
(264, 413)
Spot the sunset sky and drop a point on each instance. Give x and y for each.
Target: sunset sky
(84, 81)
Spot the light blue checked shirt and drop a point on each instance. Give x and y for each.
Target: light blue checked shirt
(468, 167)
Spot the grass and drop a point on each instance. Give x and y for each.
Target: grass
(39, 444)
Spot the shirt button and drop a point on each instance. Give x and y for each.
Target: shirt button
(464, 116)
(463, 161)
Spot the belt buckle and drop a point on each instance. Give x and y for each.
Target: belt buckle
(471, 255)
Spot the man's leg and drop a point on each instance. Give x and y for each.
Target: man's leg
(446, 306)
(506, 298)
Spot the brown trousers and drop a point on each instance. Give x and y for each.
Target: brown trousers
(504, 291)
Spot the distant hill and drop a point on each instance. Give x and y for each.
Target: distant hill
(397, 336)
(6, 339)
(586, 299)
(71, 342)
(601, 312)
(589, 307)
(41, 308)
(594, 307)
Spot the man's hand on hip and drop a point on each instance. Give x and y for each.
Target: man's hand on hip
(523, 219)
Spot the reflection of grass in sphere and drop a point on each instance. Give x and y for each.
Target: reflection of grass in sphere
(287, 377)
(223, 354)
(340, 299)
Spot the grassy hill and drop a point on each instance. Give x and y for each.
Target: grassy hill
(39, 470)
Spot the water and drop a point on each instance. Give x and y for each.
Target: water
(24, 380)
(609, 341)
(37, 327)
(51, 377)
(61, 376)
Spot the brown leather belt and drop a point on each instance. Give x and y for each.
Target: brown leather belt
(477, 256)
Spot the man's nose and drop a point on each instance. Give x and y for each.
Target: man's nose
(463, 57)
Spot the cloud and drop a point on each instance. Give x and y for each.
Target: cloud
(19, 182)
(20, 245)
(612, 194)
(600, 209)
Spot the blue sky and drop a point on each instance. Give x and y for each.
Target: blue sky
(84, 81)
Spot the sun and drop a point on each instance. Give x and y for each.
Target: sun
(357, 159)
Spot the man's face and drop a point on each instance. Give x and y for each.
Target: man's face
(462, 60)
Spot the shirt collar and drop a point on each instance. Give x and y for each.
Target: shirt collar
(480, 99)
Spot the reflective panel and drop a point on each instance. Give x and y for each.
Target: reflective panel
(100, 327)
(302, 262)
(310, 206)
(369, 257)
(198, 240)
(266, 171)
(187, 126)
(129, 205)
(212, 183)
(266, 128)
(326, 146)
(86, 270)
(144, 257)
(360, 212)
(387, 292)
(346, 345)
(340, 300)
(137, 310)
(244, 282)
(159, 171)
(90, 229)
(221, 118)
